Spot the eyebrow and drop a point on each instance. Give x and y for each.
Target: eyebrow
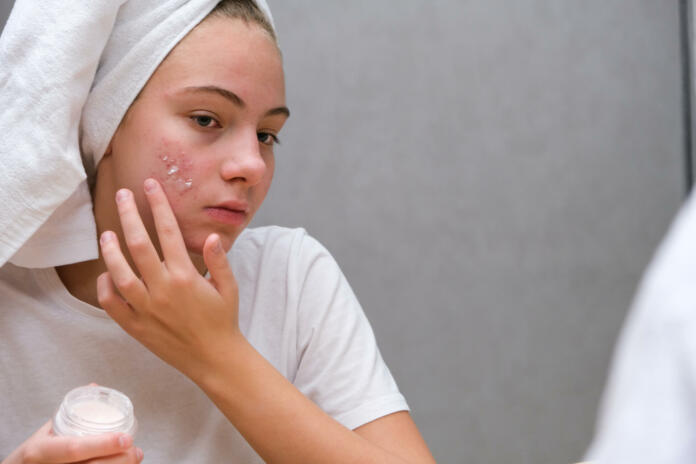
(234, 98)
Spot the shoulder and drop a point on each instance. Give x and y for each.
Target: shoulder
(262, 237)
(288, 264)
(275, 244)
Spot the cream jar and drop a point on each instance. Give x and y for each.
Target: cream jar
(93, 410)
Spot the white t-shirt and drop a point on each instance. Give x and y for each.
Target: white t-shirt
(648, 413)
(295, 307)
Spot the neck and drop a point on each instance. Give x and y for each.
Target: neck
(80, 279)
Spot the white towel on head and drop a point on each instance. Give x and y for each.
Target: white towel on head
(46, 71)
(67, 65)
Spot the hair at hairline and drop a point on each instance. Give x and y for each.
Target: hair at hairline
(247, 11)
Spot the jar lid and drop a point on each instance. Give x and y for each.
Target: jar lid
(93, 410)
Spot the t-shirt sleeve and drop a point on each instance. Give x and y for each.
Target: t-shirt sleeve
(339, 364)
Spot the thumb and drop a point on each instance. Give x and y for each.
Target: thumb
(219, 268)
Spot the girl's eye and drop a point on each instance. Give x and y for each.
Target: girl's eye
(267, 138)
(205, 121)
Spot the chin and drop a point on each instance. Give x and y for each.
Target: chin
(194, 245)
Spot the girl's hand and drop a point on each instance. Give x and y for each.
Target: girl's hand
(182, 317)
(46, 448)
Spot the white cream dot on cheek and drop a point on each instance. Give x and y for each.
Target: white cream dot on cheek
(175, 171)
(97, 411)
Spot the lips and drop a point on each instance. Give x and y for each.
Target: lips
(229, 212)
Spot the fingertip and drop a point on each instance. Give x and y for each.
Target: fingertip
(217, 244)
(106, 237)
(122, 194)
(216, 260)
(150, 185)
(139, 454)
(125, 441)
(213, 246)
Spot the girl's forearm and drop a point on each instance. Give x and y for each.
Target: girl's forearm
(277, 420)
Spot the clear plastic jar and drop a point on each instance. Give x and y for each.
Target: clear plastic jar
(93, 410)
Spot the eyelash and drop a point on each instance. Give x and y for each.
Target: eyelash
(197, 119)
(274, 138)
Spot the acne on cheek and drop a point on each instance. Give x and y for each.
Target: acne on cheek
(174, 170)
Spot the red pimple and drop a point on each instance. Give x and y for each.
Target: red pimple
(176, 169)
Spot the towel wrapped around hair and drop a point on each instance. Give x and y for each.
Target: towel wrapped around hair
(69, 71)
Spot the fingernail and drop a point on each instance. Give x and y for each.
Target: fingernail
(217, 248)
(139, 453)
(121, 195)
(150, 185)
(124, 441)
(106, 237)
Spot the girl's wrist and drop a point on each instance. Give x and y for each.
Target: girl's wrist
(221, 362)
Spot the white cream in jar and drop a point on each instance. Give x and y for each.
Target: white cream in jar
(93, 410)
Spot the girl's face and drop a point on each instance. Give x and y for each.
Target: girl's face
(204, 126)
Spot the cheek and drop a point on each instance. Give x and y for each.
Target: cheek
(175, 170)
(268, 179)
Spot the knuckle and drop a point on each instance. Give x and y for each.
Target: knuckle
(72, 450)
(169, 229)
(30, 455)
(159, 297)
(127, 283)
(138, 243)
(181, 278)
(104, 299)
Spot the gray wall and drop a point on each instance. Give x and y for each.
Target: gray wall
(493, 177)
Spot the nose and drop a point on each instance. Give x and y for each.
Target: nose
(243, 160)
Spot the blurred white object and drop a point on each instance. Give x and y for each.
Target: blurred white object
(648, 413)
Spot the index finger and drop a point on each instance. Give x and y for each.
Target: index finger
(141, 249)
(170, 238)
(50, 448)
